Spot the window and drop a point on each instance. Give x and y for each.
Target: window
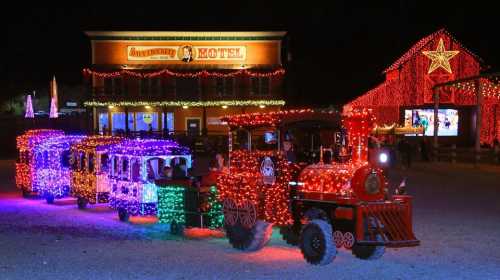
(260, 86)
(144, 86)
(103, 122)
(156, 86)
(136, 171)
(83, 162)
(108, 86)
(115, 167)
(187, 88)
(144, 119)
(168, 121)
(46, 159)
(264, 86)
(118, 123)
(124, 171)
(104, 163)
(65, 158)
(91, 163)
(229, 86)
(118, 85)
(74, 161)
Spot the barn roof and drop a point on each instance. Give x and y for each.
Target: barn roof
(422, 43)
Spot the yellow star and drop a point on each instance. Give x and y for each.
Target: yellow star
(440, 57)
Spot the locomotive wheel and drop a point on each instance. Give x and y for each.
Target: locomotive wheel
(123, 214)
(81, 202)
(369, 252)
(230, 210)
(249, 239)
(247, 214)
(316, 243)
(290, 235)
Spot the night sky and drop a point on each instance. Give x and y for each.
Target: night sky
(339, 48)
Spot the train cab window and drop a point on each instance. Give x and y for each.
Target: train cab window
(124, 169)
(104, 163)
(136, 171)
(83, 161)
(39, 159)
(91, 162)
(46, 159)
(115, 167)
(66, 158)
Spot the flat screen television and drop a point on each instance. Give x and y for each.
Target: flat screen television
(447, 121)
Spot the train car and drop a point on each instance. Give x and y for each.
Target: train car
(89, 169)
(319, 204)
(52, 166)
(135, 165)
(187, 204)
(25, 165)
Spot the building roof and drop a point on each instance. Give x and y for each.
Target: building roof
(186, 35)
(422, 43)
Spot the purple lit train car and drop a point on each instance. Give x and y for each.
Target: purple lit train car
(135, 165)
(52, 166)
(25, 167)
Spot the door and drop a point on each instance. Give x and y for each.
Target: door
(193, 126)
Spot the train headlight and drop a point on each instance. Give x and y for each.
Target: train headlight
(383, 158)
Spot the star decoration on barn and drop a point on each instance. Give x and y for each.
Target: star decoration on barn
(440, 57)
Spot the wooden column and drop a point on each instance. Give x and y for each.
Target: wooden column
(204, 130)
(479, 101)
(127, 130)
(436, 124)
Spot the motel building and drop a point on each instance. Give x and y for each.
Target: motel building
(181, 82)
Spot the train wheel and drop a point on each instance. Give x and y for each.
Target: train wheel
(81, 202)
(338, 237)
(369, 252)
(49, 198)
(230, 210)
(26, 194)
(123, 214)
(348, 241)
(290, 234)
(316, 243)
(247, 214)
(249, 239)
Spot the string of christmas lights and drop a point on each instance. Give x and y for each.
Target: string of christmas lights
(167, 72)
(52, 168)
(92, 185)
(218, 103)
(25, 167)
(244, 183)
(132, 189)
(408, 84)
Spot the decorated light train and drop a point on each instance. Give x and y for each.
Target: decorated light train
(304, 171)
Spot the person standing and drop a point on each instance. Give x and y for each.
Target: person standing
(496, 150)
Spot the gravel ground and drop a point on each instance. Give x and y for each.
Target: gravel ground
(456, 216)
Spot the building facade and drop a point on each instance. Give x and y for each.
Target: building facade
(181, 82)
(406, 95)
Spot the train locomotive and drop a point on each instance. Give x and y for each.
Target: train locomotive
(319, 205)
